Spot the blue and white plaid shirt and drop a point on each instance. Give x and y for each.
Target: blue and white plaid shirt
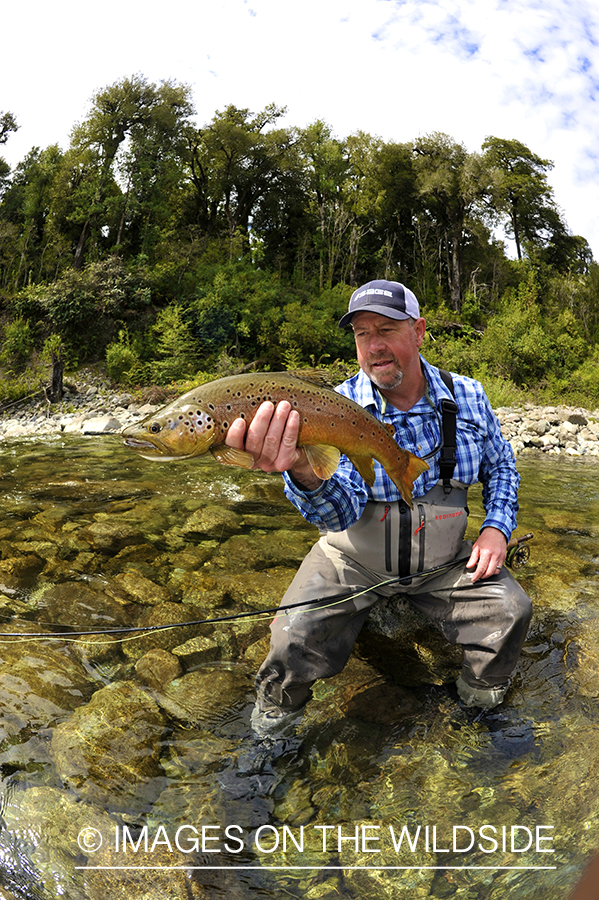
(482, 455)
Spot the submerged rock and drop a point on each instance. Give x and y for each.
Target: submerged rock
(51, 825)
(39, 686)
(108, 751)
(74, 605)
(205, 696)
(157, 668)
(406, 644)
(212, 522)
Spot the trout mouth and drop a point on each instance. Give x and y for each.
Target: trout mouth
(153, 449)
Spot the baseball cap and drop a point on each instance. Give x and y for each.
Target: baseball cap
(387, 298)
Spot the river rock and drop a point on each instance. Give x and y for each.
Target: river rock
(101, 425)
(39, 685)
(245, 553)
(157, 668)
(198, 651)
(141, 589)
(154, 874)
(213, 522)
(162, 638)
(55, 823)
(205, 696)
(79, 607)
(407, 645)
(108, 751)
(110, 537)
(260, 590)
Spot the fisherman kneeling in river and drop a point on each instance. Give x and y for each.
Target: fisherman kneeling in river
(371, 536)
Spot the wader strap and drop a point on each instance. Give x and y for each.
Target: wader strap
(449, 410)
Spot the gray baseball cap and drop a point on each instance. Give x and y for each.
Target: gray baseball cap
(387, 298)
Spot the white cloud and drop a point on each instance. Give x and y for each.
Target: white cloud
(521, 69)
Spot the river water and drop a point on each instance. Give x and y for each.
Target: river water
(123, 755)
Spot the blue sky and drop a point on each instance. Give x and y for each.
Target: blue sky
(398, 69)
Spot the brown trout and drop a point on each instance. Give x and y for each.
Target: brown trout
(330, 424)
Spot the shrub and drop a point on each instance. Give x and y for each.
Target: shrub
(18, 344)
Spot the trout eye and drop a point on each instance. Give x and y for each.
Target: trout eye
(155, 428)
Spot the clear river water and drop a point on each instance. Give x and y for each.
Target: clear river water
(122, 753)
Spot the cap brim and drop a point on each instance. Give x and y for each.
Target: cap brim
(387, 311)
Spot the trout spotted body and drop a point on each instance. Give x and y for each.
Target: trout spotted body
(330, 424)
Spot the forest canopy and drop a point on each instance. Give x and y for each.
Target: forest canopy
(169, 251)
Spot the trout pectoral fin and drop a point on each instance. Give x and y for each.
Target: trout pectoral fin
(228, 456)
(365, 466)
(323, 458)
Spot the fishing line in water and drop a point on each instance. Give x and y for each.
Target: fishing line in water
(138, 631)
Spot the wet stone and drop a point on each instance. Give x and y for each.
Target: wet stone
(157, 668)
(74, 605)
(170, 875)
(197, 651)
(54, 517)
(257, 651)
(39, 684)
(110, 537)
(166, 614)
(97, 648)
(193, 752)
(108, 751)
(18, 571)
(407, 645)
(213, 522)
(263, 590)
(205, 696)
(53, 821)
(142, 590)
(200, 589)
(247, 553)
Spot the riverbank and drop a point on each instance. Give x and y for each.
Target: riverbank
(91, 406)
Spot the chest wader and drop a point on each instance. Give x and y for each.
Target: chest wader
(489, 618)
(392, 539)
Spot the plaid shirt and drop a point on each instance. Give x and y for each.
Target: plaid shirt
(482, 455)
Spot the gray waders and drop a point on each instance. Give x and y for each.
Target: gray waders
(489, 618)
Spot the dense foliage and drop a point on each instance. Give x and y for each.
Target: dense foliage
(165, 250)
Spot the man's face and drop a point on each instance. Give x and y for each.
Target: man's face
(388, 349)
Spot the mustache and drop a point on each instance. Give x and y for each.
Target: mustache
(381, 357)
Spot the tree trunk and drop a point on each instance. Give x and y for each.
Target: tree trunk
(54, 392)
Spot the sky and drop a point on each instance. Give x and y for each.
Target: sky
(397, 69)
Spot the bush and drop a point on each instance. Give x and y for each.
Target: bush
(18, 344)
(120, 361)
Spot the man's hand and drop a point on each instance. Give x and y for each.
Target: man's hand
(488, 554)
(272, 440)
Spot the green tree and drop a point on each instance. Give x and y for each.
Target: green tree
(8, 124)
(522, 196)
(233, 163)
(125, 112)
(28, 205)
(452, 184)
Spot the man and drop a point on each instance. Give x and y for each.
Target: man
(371, 538)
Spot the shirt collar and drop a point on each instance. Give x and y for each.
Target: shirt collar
(435, 391)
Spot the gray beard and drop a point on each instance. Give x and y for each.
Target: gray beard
(388, 384)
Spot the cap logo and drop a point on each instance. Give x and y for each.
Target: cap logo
(378, 291)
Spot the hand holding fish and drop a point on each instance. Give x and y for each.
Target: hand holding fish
(271, 438)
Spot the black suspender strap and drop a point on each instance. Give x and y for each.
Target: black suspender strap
(449, 410)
